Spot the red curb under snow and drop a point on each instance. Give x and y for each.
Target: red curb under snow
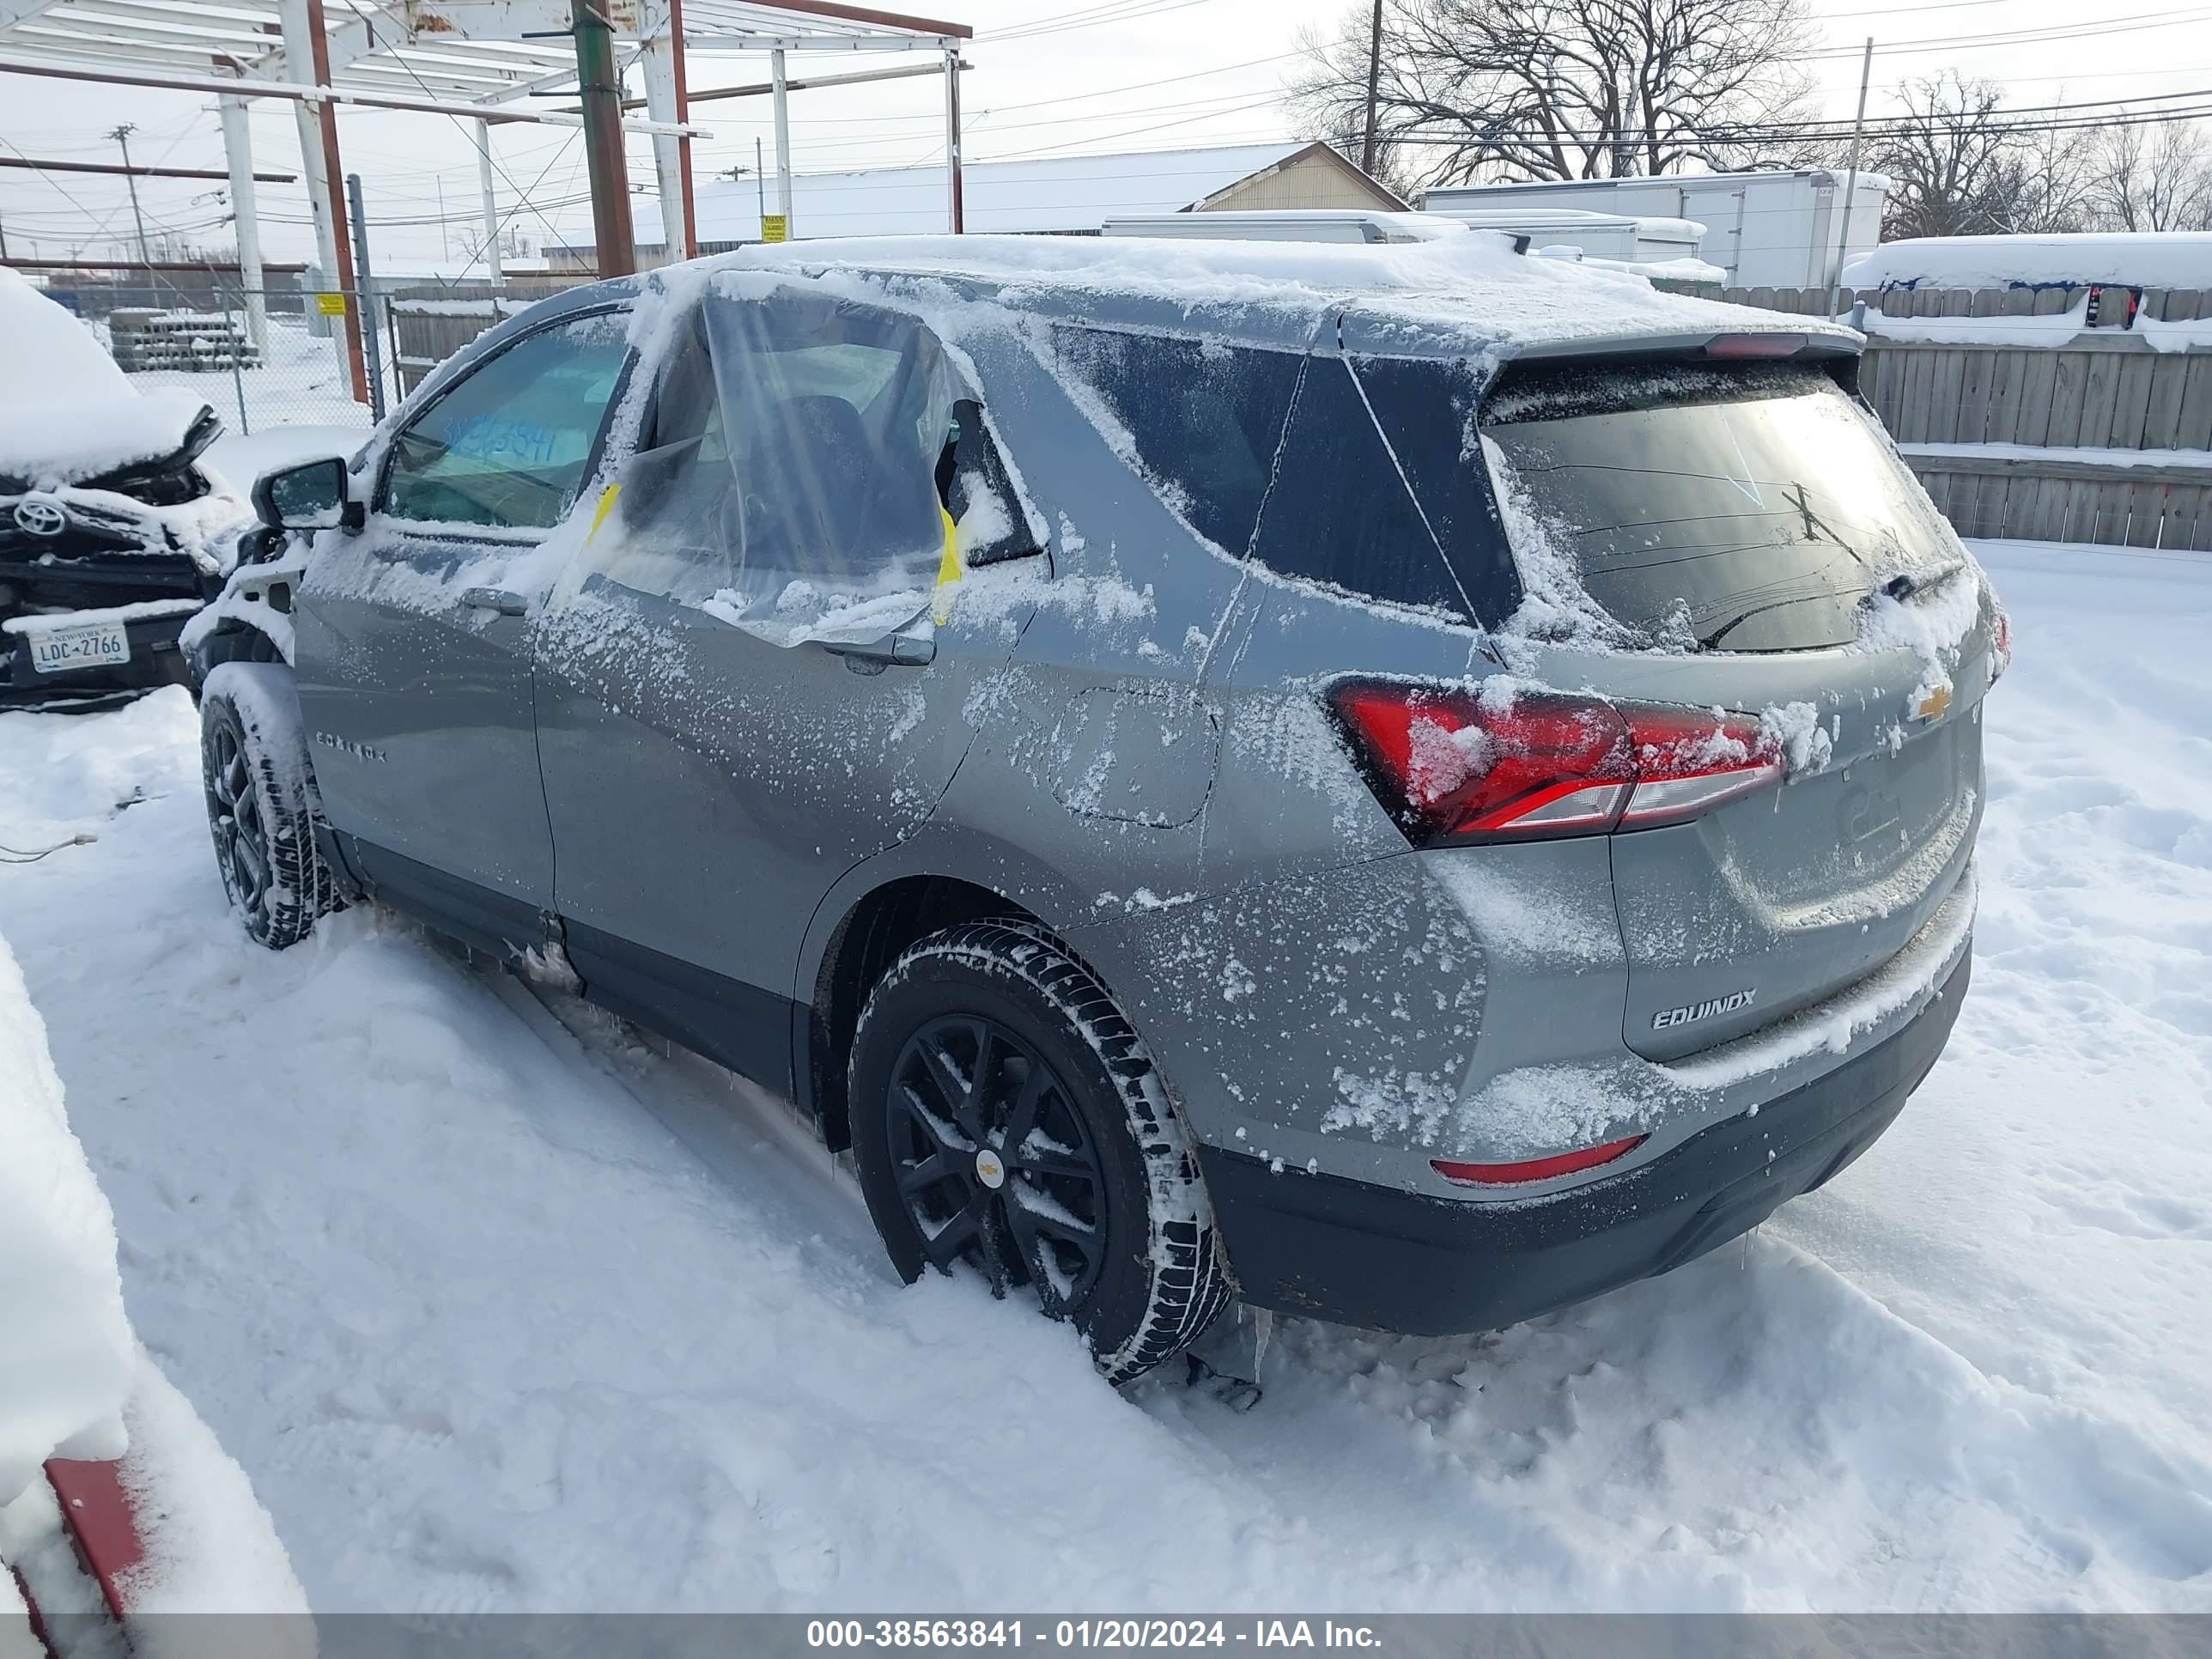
(97, 1513)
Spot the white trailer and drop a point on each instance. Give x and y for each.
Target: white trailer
(1765, 229)
(1630, 238)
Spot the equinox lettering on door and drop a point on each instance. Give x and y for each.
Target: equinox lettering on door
(1691, 1013)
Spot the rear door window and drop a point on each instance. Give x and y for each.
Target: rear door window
(1710, 508)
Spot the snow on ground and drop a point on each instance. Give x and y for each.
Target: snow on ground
(74, 1384)
(497, 1319)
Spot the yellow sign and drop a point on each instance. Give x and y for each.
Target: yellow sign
(331, 305)
(775, 228)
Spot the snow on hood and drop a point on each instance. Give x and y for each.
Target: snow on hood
(66, 1353)
(2165, 259)
(1471, 287)
(69, 440)
(67, 412)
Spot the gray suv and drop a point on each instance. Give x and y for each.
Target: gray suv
(1410, 799)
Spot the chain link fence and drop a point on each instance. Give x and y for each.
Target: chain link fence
(264, 360)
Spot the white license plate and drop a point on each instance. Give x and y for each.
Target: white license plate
(89, 645)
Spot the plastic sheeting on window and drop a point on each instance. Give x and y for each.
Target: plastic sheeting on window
(791, 481)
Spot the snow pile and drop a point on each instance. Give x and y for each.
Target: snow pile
(43, 348)
(210, 1546)
(2166, 258)
(65, 1349)
(66, 411)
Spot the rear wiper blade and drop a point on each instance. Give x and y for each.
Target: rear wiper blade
(1905, 585)
(1707, 641)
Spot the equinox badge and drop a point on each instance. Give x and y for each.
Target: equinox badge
(1691, 1013)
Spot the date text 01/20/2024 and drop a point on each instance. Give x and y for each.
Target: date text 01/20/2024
(1140, 1633)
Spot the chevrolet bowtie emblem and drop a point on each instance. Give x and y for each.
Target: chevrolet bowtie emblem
(1932, 706)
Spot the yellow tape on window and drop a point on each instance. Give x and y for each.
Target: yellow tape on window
(607, 506)
(949, 571)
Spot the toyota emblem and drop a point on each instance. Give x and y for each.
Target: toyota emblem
(40, 518)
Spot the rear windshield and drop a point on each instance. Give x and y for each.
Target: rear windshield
(1750, 508)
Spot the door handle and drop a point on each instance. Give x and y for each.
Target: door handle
(892, 651)
(495, 599)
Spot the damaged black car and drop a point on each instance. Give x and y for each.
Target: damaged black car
(114, 531)
(98, 573)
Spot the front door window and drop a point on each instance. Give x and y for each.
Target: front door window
(505, 449)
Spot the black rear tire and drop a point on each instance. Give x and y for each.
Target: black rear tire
(262, 806)
(1005, 1116)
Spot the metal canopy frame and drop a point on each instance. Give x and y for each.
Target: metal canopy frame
(410, 48)
(471, 58)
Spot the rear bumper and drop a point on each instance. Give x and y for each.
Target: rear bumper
(1389, 1259)
(156, 660)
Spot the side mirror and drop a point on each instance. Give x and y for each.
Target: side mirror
(309, 497)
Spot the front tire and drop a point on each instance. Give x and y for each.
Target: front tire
(262, 806)
(1005, 1115)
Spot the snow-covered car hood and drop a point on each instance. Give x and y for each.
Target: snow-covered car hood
(67, 413)
(45, 443)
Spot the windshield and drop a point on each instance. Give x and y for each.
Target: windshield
(1742, 508)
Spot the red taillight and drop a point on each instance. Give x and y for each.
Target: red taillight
(1453, 765)
(2000, 647)
(1536, 1169)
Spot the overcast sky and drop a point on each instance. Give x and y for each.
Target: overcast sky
(1189, 72)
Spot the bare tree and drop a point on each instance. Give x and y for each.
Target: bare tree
(1958, 166)
(2151, 178)
(1529, 89)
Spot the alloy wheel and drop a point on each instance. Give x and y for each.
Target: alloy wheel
(241, 838)
(993, 1162)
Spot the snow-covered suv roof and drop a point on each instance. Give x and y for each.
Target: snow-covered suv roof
(1455, 296)
(1452, 295)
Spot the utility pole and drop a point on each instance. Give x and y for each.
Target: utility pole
(1851, 179)
(955, 208)
(760, 176)
(1374, 86)
(122, 136)
(600, 86)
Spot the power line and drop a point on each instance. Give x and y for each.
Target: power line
(2134, 23)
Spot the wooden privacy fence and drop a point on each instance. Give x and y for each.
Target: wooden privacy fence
(2098, 435)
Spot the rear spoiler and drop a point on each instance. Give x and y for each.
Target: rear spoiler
(1706, 345)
